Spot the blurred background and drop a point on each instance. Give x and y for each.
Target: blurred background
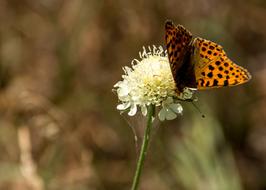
(59, 127)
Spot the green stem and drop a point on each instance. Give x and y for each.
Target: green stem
(144, 148)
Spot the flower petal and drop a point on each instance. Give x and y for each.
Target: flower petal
(170, 115)
(162, 114)
(187, 94)
(118, 84)
(133, 110)
(177, 108)
(169, 100)
(123, 106)
(144, 110)
(123, 91)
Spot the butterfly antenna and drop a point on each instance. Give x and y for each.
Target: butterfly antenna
(197, 108)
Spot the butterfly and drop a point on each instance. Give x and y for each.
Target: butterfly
(199, 63)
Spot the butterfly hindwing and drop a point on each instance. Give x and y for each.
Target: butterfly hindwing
(213, 68)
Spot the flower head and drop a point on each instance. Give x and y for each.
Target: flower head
(150, 81)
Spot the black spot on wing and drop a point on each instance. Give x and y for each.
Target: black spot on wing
(217, 63)
(211, 67)
(210, 75)
(226, 83)
(215, 82)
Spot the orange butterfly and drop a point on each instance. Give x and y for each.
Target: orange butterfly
(199, 63)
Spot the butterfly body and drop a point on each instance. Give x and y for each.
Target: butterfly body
(199, 63)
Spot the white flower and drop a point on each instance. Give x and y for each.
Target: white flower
(150, 82)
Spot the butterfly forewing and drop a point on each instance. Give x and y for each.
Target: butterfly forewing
(178, 41)
(213, 68)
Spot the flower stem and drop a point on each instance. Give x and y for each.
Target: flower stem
(144, 148)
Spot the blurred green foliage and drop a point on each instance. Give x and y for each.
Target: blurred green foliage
(203, 159)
